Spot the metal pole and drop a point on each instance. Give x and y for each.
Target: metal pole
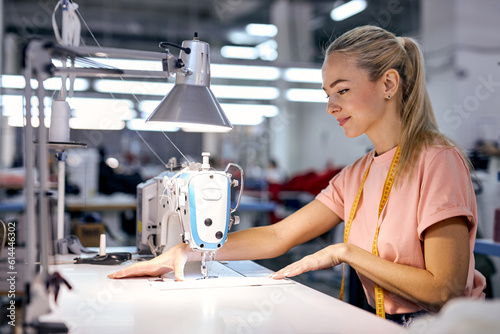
(29, 186)
(43, 165)
(92, 51)
(60, 194)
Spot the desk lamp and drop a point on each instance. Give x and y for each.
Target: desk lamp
(191, 103)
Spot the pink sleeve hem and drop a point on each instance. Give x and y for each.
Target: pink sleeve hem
(445, 214)
(337, 209)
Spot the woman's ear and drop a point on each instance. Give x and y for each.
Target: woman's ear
(391, 82)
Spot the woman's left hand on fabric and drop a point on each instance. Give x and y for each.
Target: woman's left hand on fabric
(326, 258)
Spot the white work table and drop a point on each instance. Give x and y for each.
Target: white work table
(140, 305)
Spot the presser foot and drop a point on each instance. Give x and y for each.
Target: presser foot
(206, 266)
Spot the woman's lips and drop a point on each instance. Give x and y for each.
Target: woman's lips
(342, 121)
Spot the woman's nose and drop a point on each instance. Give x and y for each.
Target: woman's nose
(332, 107)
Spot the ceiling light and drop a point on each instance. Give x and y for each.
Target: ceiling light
(265, 110)
(249, 114)
(268, 50)
(19, 121)
(239, 52)
(99, 108)
(239, 118)
(242, 38)
(348, 9)
(245, 72)
(130, 64)
(132, 87)
(13, 105)
(96, 124)
(310, 75)
(18, 82)
(246, 92)
(306, 95)
(264, 30)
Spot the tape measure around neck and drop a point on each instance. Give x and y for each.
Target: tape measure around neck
(389, 181)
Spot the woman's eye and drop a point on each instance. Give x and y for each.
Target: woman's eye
(343, 91)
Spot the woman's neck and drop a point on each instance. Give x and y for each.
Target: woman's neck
(388, 145)
(386, 135)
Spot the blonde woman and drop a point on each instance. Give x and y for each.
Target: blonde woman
(408, 205)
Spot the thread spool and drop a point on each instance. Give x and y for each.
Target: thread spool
(59, 121)
(102, 245)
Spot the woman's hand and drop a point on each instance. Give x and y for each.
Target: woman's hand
(173, 260)
(326, 258)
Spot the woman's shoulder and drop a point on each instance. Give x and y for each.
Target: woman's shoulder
(361, 162)
(357, 168)
(441, 153)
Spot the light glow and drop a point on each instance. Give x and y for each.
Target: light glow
(309, 75)
(248, 114)
(348, 9)
(268, 50)
(18, 82)
(245, 92)
(101, 108)
(306, 95)
(112, 162)
(19, 121)
(131, 64)
(139, 124)
(264, 30)
(245, 72)
(133, 87)
(13, 105)
(96, 124)
(239, 52)
(188, 127)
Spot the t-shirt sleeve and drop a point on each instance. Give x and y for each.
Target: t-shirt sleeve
(446, 191)
(333, 195)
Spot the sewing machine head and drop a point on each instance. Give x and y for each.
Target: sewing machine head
(192, 205)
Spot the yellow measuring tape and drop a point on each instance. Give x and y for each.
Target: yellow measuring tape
(389, 181)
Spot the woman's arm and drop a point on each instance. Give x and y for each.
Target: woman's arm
(270, 241)
(311, 221)
(446, 252)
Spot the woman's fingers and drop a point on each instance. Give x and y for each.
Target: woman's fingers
(146, 268)
(292, 270)
(173, 260)
(323, 259)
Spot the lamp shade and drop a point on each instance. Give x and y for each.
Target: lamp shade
(191, 103)
(191, 106)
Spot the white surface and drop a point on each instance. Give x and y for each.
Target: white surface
(101, 305)
(213, 283)
(221, 277)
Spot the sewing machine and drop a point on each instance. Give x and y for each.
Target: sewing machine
(192, 205)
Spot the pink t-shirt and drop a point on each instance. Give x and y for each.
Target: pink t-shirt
(439, 188)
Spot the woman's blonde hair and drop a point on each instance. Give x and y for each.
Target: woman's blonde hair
(376, 50)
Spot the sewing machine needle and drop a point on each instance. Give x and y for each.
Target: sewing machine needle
(204, 269)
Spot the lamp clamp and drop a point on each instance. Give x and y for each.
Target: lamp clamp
(173, 65)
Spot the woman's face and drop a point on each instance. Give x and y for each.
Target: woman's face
(356, 102)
